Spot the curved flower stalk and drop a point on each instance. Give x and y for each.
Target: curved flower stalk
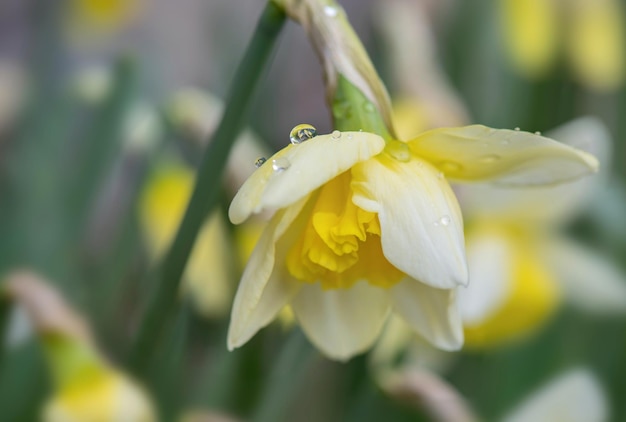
(575, 396)
(208, 275)
(592, 32)
(520, 266)
(365, 224)
(87, 388)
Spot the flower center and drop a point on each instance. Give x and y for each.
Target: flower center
(340, 243)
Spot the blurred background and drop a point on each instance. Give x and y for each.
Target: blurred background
(105, 106)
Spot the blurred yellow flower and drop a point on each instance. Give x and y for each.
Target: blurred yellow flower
(86, 387)
(591, 31)
(520, 267)
(363, 226)
(209, 270)
(103, 15)
(89, 390)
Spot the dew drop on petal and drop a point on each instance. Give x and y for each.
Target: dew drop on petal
(336, 134)
(491, 158)
(330, 11)
(538, 133)
(369, 107)
(302, 133)
(280, 164)
(445, 220)
(398, 150)
(349, 136)
(517, 129)
(260, 161)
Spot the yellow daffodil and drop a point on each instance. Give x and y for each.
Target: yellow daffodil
(208, 273)
(520, 267)
(592, 32)
(86, 387)
(363, 226)
(100, 17)
(574, 396)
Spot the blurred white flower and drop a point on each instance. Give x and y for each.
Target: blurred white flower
(575, 396)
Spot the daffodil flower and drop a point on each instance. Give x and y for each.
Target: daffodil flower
(592, 32)
(520, 266)
(363, 226)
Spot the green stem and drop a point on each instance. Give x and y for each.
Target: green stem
(206, 191)
(291, 365)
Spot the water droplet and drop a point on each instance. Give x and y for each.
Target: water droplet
(280, 164)
(336, 134)
(369, 107)
(538, 133)
(398, 150)
(260, 161)
(349, 136)
(517, 129)
(449, 166)
(505, 141)
(445, 220)
(302, 133)
(342, 109)
(491, 158)
(330, 11)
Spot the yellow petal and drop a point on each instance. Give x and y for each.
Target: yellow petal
(505, 157)
(596, 43)
(531, 29)
(431, 312)
(297, 170)
(341, 322)
(208, 275)
(162, 204)
(265, 285)
(421, 224)
(574, 396)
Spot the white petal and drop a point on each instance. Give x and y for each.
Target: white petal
(535, 204)
(422, 227)
(432, 312)
(505, 157)
(341, 322)
(573, 397)
(265, 287)
(588, 280)
(490, 268)
(305, 167)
